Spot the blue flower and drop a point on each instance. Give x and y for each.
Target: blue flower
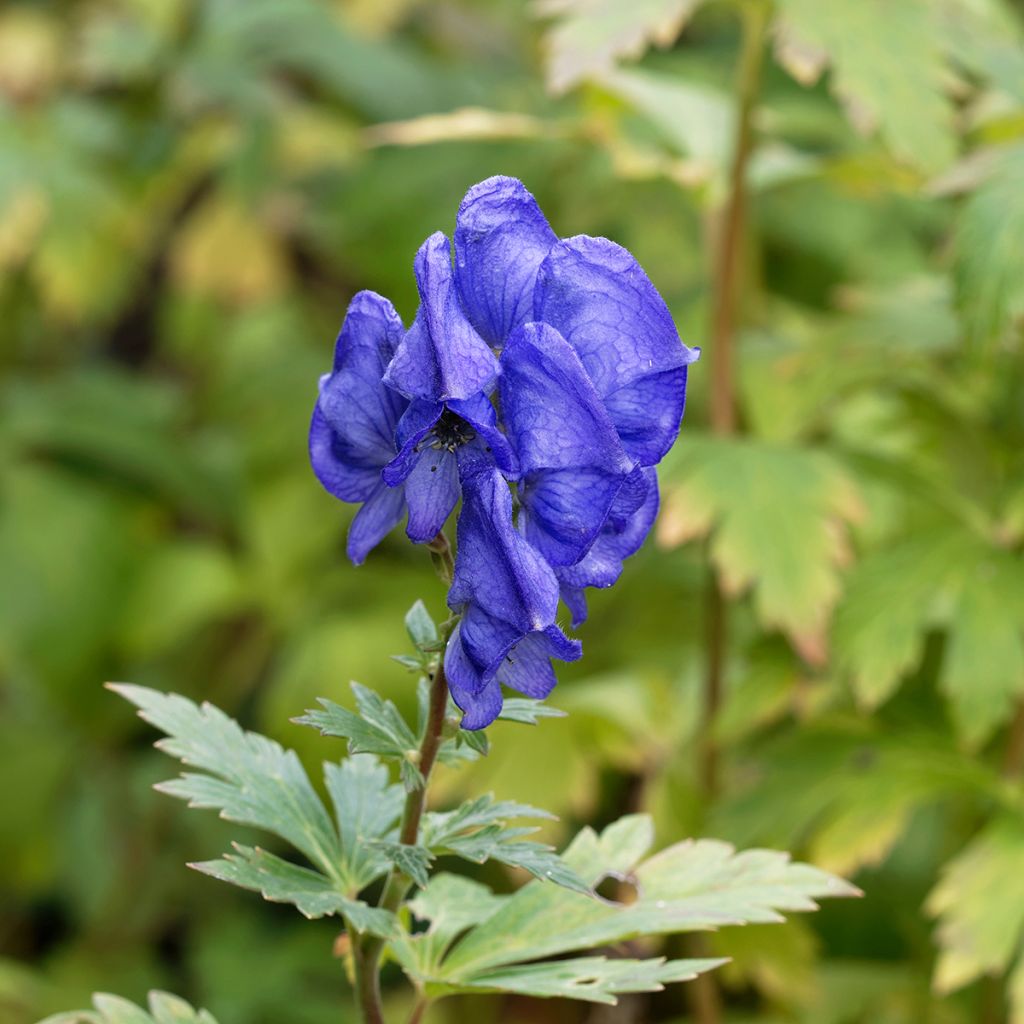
(572, 463)
(511, 269)
(621, 536)
(547, 365)
(508, 596)
(352, 434)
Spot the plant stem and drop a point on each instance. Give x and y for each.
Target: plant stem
(367, 954)
(726, 288)
(705, 998)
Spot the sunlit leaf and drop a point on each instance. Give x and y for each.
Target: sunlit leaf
(588, 37)
(889, 80)
(776, 516)
(164, 1008)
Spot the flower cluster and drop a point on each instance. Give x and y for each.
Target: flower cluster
(540, 383)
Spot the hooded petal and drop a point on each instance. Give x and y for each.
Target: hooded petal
(501, 238)
(441, 356)
(572, 461)
(485, 650)
(360, 410)
(495, 567)
(379, 515)
(431, 490)
(596, 294)
(333, 464)
(602, 564)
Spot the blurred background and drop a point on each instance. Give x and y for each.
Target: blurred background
(823, 650)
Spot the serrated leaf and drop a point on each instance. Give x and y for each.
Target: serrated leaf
(451, 903)
(946, 578)
(990, 262)
(690, 886)
(253, 780)
(420, 627)
(595, 979)
(588, 37)
(163, 1009)
(413, 861)
(528, 710)
(367, 807)
(776, 515)
(980, 906)
(279, 881)
(377, 728)
(890, 80)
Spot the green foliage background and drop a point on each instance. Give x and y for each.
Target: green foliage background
(191, 190)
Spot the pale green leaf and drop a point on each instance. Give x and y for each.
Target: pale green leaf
(527, 710)
(367, 807)
(377, 728)
(979, 902)
(690, 886)
(776, 515)
(412, 861)
(252, 779)
(887, 68)
(990, 258)
(420, 627)
(595, 979)
(163, 1009)
(279, 881)
(588, 37)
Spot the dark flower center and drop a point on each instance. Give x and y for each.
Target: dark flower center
(450, 432)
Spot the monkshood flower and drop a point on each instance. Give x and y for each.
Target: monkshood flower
(547, 365)
(352, 435)
(511, 268)
(508, 596)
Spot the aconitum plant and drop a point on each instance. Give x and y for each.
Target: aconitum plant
(536, 390)
(540, 383)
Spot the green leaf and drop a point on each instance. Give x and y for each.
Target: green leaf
(420, 627)
(528, 710)
(594, 979)
(252, 779)
(367, 807)
(588, 37)
(890, 79)
(980, 905)
(776, 515)
(990, 262)
(163, 1009)
(413, 861)
(477, 832)
(279, 881)
(945, 578)
(378, 728)
(692, 885)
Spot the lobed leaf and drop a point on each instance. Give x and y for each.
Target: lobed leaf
(588, 37)
(164, 1008)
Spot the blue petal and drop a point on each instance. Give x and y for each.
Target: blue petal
(596, 294)
(602, 564)
(485, 650)
(413, 427)
(501, 238)
(360, 410)
(431, 489)
(379, 515)
(572, 461)
(495, 567)
(527, 666)
(333, 464)
(441, 356)
(480, 415)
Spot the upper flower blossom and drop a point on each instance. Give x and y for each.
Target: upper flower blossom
(352, 434)
(551, 365)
